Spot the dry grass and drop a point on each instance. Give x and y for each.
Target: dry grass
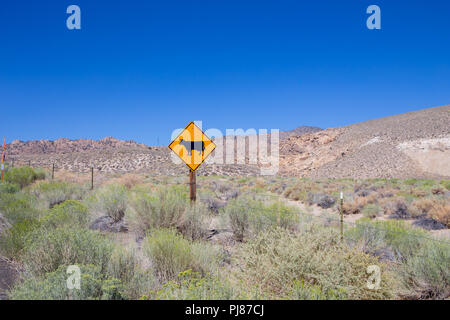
(358, 203)
(67, 176)
(440, 211)
(128, 180)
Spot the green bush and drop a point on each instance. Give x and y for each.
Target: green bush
(46, 250)
(125, 266)
(171, 254)
(193, 222)
(302, 291)
(68, 213)
(162, 209)
(393, 235)
(275, 260)
(113, 200)
(265, 216)
(426, 274)
(19, 206)
(237, 212)
(13, 240)
(192, 286)
(245, 214)
(446, 184)
(371, 211)
(56, 192)
(53, 286)
(9, 188)
(22, 176)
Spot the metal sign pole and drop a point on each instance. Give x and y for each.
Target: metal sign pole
(192, 185)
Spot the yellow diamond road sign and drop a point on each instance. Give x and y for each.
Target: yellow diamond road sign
(193, 146)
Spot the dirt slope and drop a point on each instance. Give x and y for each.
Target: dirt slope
(414, 144)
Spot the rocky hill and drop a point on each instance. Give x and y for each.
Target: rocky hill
(64, 145)
(414, 144)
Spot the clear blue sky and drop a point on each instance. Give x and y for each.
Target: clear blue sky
(139, 69)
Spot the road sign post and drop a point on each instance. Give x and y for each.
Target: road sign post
(193, 146)
(192, 186)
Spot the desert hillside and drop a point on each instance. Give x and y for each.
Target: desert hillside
(414, 144)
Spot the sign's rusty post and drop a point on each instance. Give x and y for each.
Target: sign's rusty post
(342, 216)
(192, 185)
(92, 178)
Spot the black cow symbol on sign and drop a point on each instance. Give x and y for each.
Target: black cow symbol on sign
(193, 145)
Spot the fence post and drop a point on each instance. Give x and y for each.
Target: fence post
(92, 178)
(192, 185)
(53, 170)
(342, 215)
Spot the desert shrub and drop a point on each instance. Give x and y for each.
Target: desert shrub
(40, 173)
(206, 257)
(302, 291)
(162, 209)
(371, 211)
(425, 275)
(301, 189)
(397, 208)
(68, 213)
(192, 286)
(56, 192)
(23, 176)
(128, 180)
(275, 260)
(421, 206)
(193, 222)
(355, 204)
(113, 200)
(440, 211)
(237, 213)
(248, 215)
(45, 251)
(446, 184)
(13, 240)
(322, 200)
(9, 188)
(123, 264)
(263, 216)
(19, 206)
(53, 286)
(171, 254)
(395, 236)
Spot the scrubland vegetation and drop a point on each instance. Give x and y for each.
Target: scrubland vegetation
(139, 237)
